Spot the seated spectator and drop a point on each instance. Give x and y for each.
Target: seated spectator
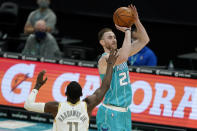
(42, 13)
(145, 57)
(41, 43)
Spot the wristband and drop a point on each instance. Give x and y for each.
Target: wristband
(31, 105)
(127, 29)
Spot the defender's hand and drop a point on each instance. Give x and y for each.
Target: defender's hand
(40, 81)
(112, 57)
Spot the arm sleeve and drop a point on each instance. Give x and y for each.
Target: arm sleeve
(31, 105)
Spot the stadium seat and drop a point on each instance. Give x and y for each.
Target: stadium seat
(9, 17)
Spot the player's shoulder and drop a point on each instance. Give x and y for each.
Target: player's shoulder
(103, 58)
(102, 64)
(84, 103)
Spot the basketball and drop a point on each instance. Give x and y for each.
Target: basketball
(124, 17)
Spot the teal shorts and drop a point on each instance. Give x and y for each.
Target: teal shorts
(110, 120)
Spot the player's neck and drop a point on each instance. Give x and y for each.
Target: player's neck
(72, 101)
(106, 50)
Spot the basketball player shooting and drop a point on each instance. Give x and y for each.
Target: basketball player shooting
(72, 115)
(114, 114)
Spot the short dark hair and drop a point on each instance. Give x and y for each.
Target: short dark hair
(102, 31)
(74, 90)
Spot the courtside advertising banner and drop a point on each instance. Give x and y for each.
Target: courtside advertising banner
(156, 99)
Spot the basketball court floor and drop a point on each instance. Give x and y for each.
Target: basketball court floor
(15, 125)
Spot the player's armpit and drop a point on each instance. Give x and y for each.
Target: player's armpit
(93, 100)
(52, 108)
(136, 46)
(90, 103)
(121, 59)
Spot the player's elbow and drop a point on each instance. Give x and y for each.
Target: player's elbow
(145, 40)
(27, 105)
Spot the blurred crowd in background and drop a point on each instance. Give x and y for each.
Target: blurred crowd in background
(47, 32)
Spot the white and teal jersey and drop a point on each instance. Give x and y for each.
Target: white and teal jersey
(119, 93)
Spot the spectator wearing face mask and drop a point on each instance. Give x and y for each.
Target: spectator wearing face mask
(41, 43)
(42, 13)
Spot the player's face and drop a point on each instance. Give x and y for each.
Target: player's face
(110, 41)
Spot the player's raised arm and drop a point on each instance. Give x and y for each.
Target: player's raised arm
(125, 49)
(31, 105)
(140, 36)
(99, 94)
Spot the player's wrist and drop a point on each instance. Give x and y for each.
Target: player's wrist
(37, 86)
(137, 21)
(109, 63)
(35, 91)
(127, 29)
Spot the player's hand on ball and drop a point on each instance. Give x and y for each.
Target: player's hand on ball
(124, 17)
(135, 13)
(40, 81)
(123, 29)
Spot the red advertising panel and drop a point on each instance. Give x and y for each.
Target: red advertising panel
(156, 99)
